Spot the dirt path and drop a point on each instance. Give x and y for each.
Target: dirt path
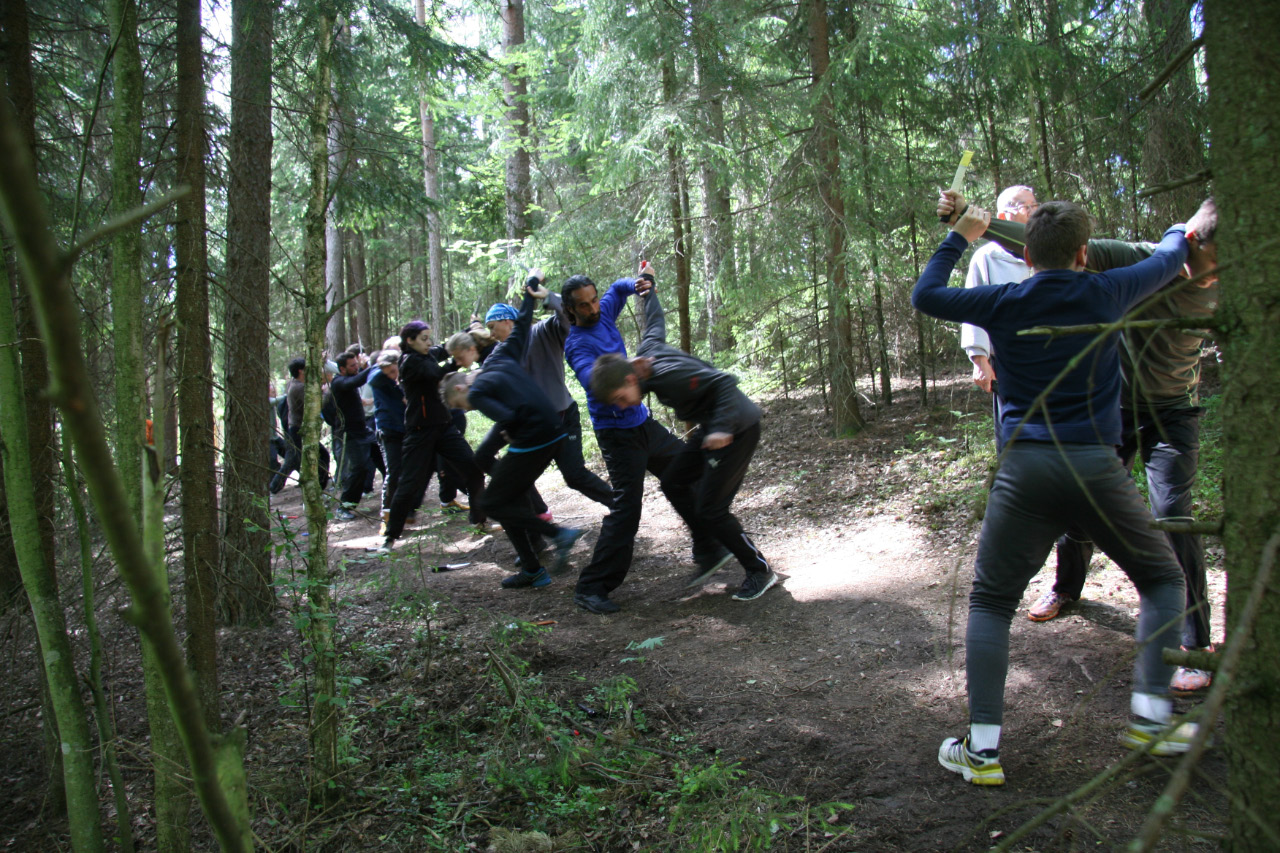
(840, 683)
(837, 685)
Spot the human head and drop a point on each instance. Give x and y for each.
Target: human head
(296, 367)
(1202, 246)
(389, 363)
(1016, 203)
(455, 387)
(348, 363)
(392, 343)
(330, 370)
(500, 320)
(1056, 233)
(355, 349)
(462, 347)
(416, 336)
(581, 300)
(614, 380)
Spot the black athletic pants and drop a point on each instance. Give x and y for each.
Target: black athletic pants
(293, 459)
(417, 461)
(715, 477)
(628, 454)
(506, 500)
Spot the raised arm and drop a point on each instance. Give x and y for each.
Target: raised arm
(655, 322)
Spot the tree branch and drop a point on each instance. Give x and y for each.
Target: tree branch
(1195, 178)
(1194, 323)
(1169, 70)
(124, 220)
(1205, 528)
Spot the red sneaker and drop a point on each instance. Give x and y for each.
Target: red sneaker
(1048, 606)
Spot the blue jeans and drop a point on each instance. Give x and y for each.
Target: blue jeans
(1040, 490)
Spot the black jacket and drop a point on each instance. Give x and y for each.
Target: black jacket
(698, 392)
(506, 393)
(420, 377)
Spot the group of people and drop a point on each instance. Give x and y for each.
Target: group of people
(512, 371)
(1072, 412)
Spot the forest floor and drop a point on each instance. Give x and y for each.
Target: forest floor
(835, 686)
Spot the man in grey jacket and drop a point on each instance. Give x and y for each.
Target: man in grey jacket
(716, 453)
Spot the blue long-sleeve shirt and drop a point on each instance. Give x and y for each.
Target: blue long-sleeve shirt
(388, 402)
(1084, 406)
(585, 343)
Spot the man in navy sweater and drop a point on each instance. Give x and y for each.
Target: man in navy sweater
(630, 440)
(504, 391)
(1060, 423)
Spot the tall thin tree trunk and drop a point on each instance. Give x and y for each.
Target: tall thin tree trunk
(57, 656)
(1244, 117)
(200, 544)
(323, 725)
(717, 238)
(679, 248)
(877, 287)
(35, 366)
(515, 89)
(431, 183)
(126, 247)
(915, 259)
(844, 393)
(336, 329)
(356, 275)
(246, 596)
(1171, 144)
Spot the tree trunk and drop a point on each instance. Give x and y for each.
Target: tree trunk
(868, 192)
(515, 91)
(126, 248)
(323, 725)
(679, 248)
(1244, 116)
(57, 655)
(915, 260)
(246, 596)
(35, 365)
(335, 293)
(200, 544)
(718, 260)
(10, 575)
(844, 394)
(431, 182)
(353, 247)
(1171, 144)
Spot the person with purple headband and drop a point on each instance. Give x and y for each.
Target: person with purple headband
(429, 431)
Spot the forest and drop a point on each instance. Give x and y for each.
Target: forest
(196, 194)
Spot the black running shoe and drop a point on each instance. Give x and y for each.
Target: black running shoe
(755, 585)
(596, 604)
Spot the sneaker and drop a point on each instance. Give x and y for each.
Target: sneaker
(454, 507)
(522, 579)
(384, 548)
(344, 514)
(1159, 739)
(382, 528)
(595, 603)
(486, 527)
(709, 566)
(563, 543)
(1187, 681)
(978, 768)
(546, 516)
(1048, 606)
(755, 585)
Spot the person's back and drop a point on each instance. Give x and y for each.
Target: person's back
(506, 393)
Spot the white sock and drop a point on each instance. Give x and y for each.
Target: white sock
(1156, 708)
(984, 736)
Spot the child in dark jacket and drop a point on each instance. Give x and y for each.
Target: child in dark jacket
(716, 454)
(504, 391)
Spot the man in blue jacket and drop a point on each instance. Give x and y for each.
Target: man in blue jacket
(1060, 423)
(630, 440)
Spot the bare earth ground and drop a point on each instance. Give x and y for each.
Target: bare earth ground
(838, 684)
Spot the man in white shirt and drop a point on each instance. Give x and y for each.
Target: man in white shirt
(993, 265)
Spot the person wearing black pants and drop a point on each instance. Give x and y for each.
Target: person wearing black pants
(352, 437)
(505, 393)
(293, 430)
(429, 431)
(714, 458)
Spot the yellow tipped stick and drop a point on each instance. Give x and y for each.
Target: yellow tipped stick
(958, 181)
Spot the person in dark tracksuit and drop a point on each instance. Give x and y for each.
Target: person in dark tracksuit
(716, 453)
(429, 431)
(504, 391)
(630, 440)
(293, 430)
(352, 435)
(388, 414)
